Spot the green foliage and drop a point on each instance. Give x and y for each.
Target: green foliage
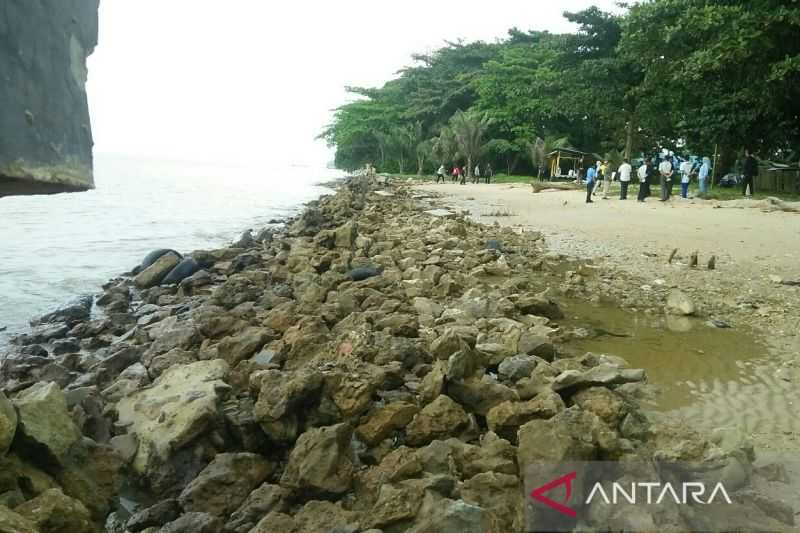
(679, 74)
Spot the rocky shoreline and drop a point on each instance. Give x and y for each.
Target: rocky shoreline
(368, 366)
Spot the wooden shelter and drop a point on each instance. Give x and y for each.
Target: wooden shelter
(779, 178)
(573, 158)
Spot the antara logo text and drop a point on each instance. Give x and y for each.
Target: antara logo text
(690, 492)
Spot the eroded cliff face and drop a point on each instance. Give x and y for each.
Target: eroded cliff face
(45, 133)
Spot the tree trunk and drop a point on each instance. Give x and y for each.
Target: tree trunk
(420, 164)
(401, 162)
(629, 138)
(469, 166)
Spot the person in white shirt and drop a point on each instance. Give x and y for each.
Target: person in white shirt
(625, 170)
(665, 170)
(476, 178)
(686, 175)
(440, 174)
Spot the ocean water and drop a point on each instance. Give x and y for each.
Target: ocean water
(53, 248)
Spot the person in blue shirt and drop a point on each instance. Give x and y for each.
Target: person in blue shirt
(591, 177)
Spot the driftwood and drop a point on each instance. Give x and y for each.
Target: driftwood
(539, 186)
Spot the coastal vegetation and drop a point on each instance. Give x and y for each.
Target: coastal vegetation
(685, 75)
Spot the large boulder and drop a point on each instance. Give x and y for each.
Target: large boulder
(241, 346)
(224, 484)
(569, 436)
(320, 461)
(281, 402)
(181, 405)
(12, 522)
(44, 421)
(155, 273)
(505, 418)
(385, 420)
(8, 424)
(54, 512)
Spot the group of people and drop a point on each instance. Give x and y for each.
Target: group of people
(667, 172)
(459, 174)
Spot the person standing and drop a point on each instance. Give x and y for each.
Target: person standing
(665, 170)
(598, 175)
(608, 177)
(477, 177)
(702, 176)
(440, 174)
(749, 172)
(625, 170)
(686, 176)
(456, 174)
(645, 174)
(489, 173)
(591, 178)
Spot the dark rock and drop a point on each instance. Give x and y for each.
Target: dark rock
(34, 349)
(154, 516)
(362, 273)
(63, 346)
(71, 313)
(187, 267)
(153, 256)
(45, 127)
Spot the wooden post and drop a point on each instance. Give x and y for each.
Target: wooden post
(714, 170)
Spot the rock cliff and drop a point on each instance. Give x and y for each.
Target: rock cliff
(45, 134)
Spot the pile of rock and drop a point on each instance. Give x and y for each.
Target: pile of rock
(367, 367)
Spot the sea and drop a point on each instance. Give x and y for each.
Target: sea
(54, 248)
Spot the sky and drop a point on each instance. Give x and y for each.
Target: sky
(256, 81)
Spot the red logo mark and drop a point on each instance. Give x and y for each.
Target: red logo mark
(538, 494)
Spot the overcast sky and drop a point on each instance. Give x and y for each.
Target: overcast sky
(249, 80)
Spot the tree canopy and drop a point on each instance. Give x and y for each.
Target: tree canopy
(679, 74)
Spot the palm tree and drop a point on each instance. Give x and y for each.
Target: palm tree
(444, 147)
(468, 129)
(540, 148)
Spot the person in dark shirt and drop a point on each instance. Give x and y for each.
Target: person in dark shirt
(749, 171)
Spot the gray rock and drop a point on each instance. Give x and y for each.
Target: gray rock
(44, 420)
(320, 461)
(8, 423)
(156, 515)
(45, 126)
(194, 523)
(186, 268)
(517, 367)
(153, 274)
(71, 313)
(679, 303)
(604, 374)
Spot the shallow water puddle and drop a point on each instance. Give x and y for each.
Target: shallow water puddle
(713, 377)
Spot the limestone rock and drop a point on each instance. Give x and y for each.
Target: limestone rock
(500, 495)
(274, 522)
(153, 274)
(92, 474)
(507, 416)
(679, 303)
(569, 436)
(12, 522)
(389, 418)
(442, 515)
(241, 346)
(280, 396)
(45, 421)
(194, 523)
(320, 461)
(179, 406)
(447, 344)
(441, 418)
(479, 395)
(604, 374)
(262, 501)
(77, 310)
(54, 512)
(156, 515)
(224, 484)
(606, 404)
(8, 424)
(539, 305)
(517, 367)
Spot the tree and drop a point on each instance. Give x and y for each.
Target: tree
(444, 147)
(469, 129)
(507, 151)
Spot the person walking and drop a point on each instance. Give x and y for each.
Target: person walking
(598, 175)
(625, 170)
(608, 177)
(489, 173)
(477, 177)
(749, 172)
(456, 174)
(440, 174)
(686, 176)
(591, 177)
(702, 176)
(665, 170)
(645, 173)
